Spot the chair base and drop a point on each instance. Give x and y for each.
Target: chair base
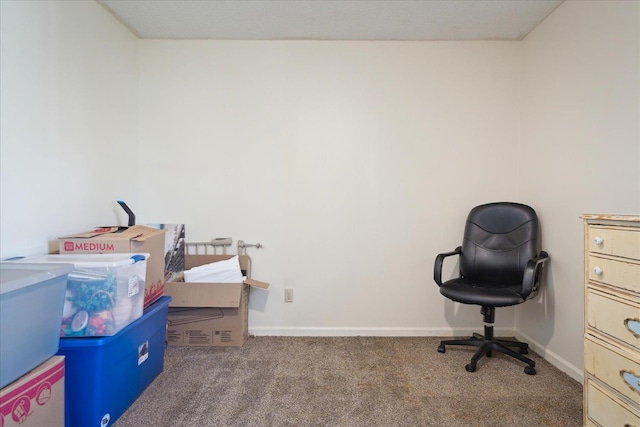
(487, 344)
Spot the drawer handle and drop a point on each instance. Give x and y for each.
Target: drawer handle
(598, 240)
(633, 325)
(597, 270)
(631, 379)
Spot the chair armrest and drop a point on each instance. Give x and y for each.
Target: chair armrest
(532, 273)
(437, 266)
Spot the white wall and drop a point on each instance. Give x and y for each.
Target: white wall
(580, 150)
(353, 163)
(69, 121)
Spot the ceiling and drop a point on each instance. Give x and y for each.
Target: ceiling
(332, 19)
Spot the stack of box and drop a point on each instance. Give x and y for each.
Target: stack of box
(31, 380)
(96, 333)
(113, 350)
(106, 373)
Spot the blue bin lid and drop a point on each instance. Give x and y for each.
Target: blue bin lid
(14, 276)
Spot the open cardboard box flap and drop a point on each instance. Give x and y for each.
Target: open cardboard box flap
(256, 283)
(223, 295)
(137, 233)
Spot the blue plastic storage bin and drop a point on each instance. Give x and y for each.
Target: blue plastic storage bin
(105, 375)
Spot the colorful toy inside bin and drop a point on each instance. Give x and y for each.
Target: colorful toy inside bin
(105, 292)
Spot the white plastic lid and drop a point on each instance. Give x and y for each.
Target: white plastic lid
(14, 275)
(88, 260)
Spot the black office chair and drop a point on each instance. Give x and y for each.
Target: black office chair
(499, 266)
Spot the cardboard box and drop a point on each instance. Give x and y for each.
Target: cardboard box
(134, 239)
(36, 398)
(210, 314)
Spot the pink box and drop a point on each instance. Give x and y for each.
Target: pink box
(36, 398)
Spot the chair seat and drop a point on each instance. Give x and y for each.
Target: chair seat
(469, 291)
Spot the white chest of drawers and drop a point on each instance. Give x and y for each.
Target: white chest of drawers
(612, 320)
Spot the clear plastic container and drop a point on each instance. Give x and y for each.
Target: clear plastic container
(104, 293)
(31, 303)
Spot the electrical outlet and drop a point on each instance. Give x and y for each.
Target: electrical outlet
(288, 295)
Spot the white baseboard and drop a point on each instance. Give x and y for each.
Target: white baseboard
(557, 361)
(551, 357)
(368, 331)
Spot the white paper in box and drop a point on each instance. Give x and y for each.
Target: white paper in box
(223, 271)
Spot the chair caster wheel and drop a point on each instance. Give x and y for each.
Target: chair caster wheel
(530, 370)
(471, 367)
(441, 348)
(523, 351)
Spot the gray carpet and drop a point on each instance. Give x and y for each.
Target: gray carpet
(351, 381)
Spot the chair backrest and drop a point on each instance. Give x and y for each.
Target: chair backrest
(499, 239)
